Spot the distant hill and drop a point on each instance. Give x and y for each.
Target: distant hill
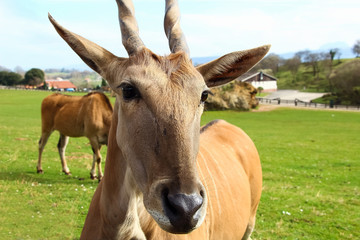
(344, 48)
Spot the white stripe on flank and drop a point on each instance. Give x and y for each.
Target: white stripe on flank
(222, 173)
(213, 181)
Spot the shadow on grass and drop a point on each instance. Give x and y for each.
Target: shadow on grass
(46, 178)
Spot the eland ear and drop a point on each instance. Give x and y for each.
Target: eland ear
(92, 54)
(231, 66)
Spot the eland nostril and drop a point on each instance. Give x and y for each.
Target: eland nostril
(181, 209)
(184, 204)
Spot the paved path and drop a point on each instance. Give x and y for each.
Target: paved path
(294, 94)
(287, 99)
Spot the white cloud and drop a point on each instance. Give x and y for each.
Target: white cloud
(287, 28)
(212, 27)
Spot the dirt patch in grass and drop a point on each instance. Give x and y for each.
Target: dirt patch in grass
(21, 139)
(79, 157)
(265, 108)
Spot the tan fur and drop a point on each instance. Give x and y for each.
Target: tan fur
(227, 159)
(231, 174)
(75, 116)
(163, 179)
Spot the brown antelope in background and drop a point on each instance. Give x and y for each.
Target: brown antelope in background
(165, 177)
(75, 116)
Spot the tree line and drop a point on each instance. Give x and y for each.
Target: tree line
(33, 77)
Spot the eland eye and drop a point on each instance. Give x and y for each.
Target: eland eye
(205, 95)
(129, 92)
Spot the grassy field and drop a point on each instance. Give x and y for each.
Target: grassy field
(310, 160)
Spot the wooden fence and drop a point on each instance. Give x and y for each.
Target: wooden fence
(299, 103)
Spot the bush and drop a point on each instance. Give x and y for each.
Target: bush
(9, 78)
(34, 77)
(233, 96)
(346, 81)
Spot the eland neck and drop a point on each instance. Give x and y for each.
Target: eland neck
(120, 199)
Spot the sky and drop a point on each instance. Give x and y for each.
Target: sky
(211, 27)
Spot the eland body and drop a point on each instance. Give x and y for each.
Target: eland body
(165, 177)
(76, 116)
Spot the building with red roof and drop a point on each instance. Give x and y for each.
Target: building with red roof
(61, 85)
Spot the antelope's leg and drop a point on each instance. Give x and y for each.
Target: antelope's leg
(63, 141)
(96, 159)
(42, 142)
(250, 227)
(100, 174)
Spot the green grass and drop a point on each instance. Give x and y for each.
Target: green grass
(311, 170)
(310, 161)
(262, 94)
(33, 206)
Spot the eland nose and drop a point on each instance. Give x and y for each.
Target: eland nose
(182, 209)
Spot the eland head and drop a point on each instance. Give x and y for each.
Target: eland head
(159, 102)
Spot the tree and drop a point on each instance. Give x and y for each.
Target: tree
(293, 65)
(326, 64)
(302, 55)
(34, 77)
(312, 59)
(333, 52)
(9, 78)
(104, 83)
(356, 48)
(272, 61)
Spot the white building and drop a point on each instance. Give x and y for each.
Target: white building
(260, 79)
